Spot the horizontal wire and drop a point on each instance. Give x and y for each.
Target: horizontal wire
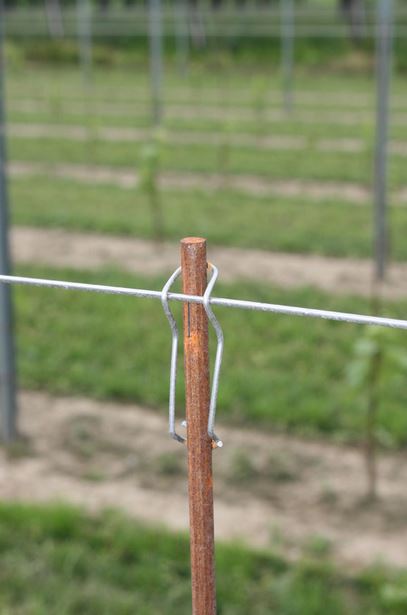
(399, 34)
(257, 306)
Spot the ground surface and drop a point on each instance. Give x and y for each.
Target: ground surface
(247, 184)
(269, 489)
(277, 142)
(61, 248)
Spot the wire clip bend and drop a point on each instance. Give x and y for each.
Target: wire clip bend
(174, 355)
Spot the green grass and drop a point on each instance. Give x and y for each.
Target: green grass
(56, 560)
(96, 115)
(229, 90)
(205, 158)
(39, 79)
(201, 83)
(330, 228)
(94, 112)
(307, 164)
(279, 372)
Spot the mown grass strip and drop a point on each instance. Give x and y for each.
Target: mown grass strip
(93, 116)
(206, 158)
(237, 80)
(225, 217)
(306, 165)
(57, 559)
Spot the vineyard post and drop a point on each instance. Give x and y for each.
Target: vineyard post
(383, 70)
(8, 403)
(182, 38)
(84, 33)
(197, 391)
(156, 61)
(287, 52)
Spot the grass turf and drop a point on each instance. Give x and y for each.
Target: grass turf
(64, 92)
(306, 165)
(59, 560)
(330, 228)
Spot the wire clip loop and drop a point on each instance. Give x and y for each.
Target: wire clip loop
(217, 442)
(174, 353)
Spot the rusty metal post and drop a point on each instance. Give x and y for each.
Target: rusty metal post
(197, 389)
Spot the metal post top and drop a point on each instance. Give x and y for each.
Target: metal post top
(192, 240)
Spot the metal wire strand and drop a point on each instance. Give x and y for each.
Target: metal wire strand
(257, 306)
(219, 354)
(174, 354)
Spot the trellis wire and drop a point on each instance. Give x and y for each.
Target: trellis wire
(258, 306)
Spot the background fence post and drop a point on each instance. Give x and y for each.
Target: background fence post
(383, 69)
(287, 52)
(156, 62)
(8, 403)
(182, 35)
(197, 389)
(84, 33)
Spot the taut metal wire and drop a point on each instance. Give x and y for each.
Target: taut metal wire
(359, 319)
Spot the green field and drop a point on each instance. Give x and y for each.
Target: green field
(56, 559)
(205, 159)
(219, 100)
(295, 224)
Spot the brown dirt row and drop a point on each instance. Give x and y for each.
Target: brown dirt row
(252, 185)
(221, 112)
(60, 248)
(271, 490)
(235, 96)
(114, 134)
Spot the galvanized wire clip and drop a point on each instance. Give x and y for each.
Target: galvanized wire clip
(174, 353)
(218, 358)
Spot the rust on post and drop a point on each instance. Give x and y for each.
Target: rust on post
(197, 389)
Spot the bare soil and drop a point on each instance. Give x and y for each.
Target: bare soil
(213, 111)
(238, 96)
(274, 143)
(251, 185)
(115, 134)
(271, 490)
(61, 248)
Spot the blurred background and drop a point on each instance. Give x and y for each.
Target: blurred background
(277, 129)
